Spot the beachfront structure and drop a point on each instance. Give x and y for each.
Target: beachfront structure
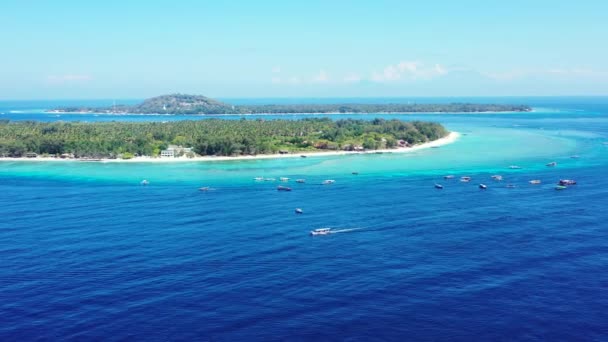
(175, 151)
(170, 153)
(402, 143)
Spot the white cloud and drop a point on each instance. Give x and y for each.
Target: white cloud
(68, 78)
(408, 70)
(276, 69)
(321, 77)
(294, 80)
(276, 80)
(352, 78)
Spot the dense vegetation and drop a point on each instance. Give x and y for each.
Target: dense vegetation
(195, 104)
(382, 108)
(209, 137)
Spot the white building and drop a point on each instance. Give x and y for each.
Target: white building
(168, 153)
(175, 151)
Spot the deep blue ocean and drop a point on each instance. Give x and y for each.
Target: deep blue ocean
(87, 253)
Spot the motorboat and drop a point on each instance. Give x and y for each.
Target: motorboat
(284, 179)
(566, 182)
(269, 179)
(561, 187)
(355, 173)
(438, 186)
(321, 231)
(511, 186)
(259, 179)
(144, 182)
(448, 177)
(514, 167)
(303, 156)
(300, 180)
(465, 179)
(329, 181)
(552, 164)
(205, 188)
(299, 211)
(483, 186)
(535, 181)
(497, 177)
(283, 188)
(574, 157)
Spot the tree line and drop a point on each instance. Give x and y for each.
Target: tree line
(209, 137)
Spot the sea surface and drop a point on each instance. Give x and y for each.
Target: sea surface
(87, 253)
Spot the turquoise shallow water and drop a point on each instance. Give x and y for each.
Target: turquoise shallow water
(479, 148)
(90, 254)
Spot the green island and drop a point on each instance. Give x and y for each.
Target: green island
(197, 104)
(211, 137)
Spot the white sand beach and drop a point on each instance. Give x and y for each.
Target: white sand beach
(450, 138)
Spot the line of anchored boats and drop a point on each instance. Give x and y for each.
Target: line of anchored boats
(562, 184)
(285, 180)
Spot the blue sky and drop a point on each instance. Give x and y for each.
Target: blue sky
(133, 49)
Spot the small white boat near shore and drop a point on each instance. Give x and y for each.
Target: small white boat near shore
(328, 181)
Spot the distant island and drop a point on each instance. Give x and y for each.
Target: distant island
(212, 137)
(197, 104)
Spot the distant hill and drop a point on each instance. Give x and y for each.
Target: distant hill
(198, 104)
(182, 104)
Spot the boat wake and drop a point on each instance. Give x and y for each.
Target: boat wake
(345, 230)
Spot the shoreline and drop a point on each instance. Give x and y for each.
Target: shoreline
(450, 138)
(286, 114)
